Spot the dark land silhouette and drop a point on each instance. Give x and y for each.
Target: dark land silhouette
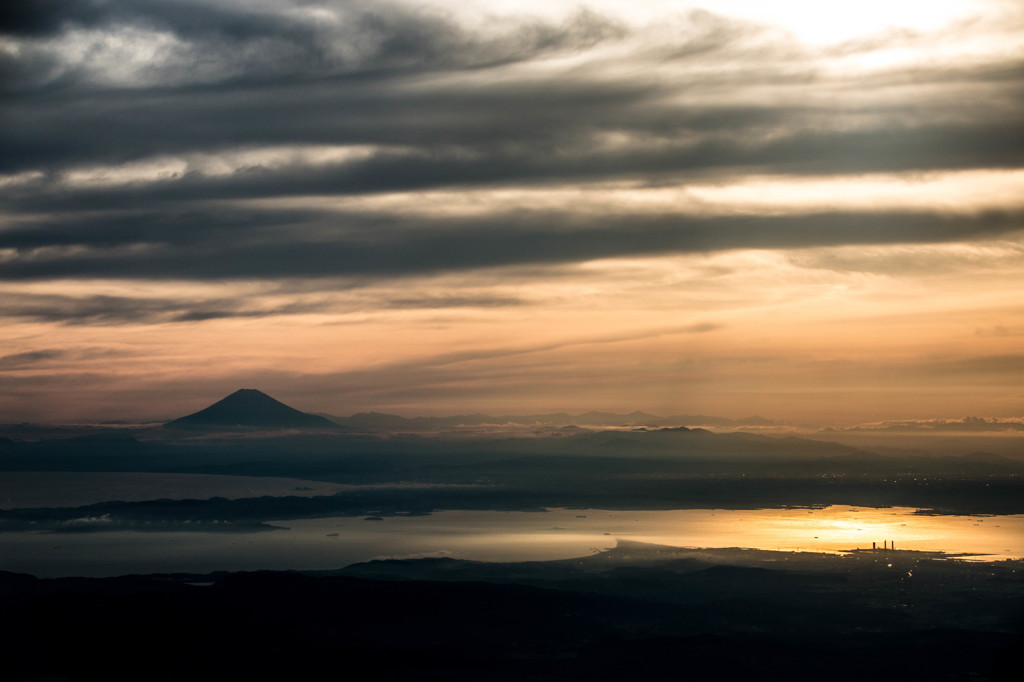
(248, 407)
(633, 612)
(379, 421)
(250, 434)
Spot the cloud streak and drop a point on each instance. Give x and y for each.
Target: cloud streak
(383, 246)
(399, 182)
(102, 310)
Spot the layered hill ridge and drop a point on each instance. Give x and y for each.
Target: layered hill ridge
(373, 421)
(251, 408)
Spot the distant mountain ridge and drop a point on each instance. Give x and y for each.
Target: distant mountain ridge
(372, 421)
(250, 408)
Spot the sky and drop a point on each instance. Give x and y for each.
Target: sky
(809, 211)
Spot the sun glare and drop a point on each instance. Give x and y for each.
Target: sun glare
(829, 22)
(810, 20)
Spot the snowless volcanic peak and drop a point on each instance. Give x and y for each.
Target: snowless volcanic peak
(251, 408)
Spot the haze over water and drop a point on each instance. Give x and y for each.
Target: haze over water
(330, 543)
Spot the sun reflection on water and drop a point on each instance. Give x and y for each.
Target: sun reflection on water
(839, 529)
(332, 542)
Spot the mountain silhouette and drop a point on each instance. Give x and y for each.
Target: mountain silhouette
(248, 407)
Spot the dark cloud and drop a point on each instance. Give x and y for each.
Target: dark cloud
(536, 126)
(29, 359)
(440, 110)
(118, 310)
(198, 226)
(45, 130)
(237, 43)
(373, 245)
(413, 302)
(46, 17)
(512, 133)
(182, 17)
(947, 147)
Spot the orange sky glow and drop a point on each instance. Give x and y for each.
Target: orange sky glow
(728, 208)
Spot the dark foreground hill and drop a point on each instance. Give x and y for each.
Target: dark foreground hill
(248, 407)
(630, 613)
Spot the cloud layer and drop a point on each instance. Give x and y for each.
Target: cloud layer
(168, 167)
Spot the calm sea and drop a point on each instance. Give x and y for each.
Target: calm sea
(329, 543)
